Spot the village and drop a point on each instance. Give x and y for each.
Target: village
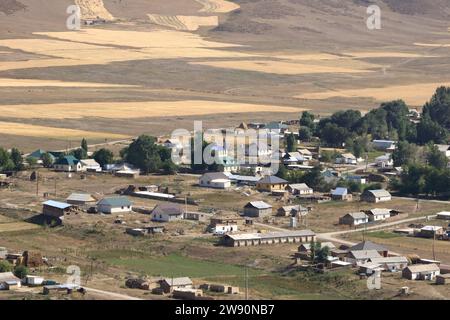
(349, 223)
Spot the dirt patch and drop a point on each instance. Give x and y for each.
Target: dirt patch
(11, 6)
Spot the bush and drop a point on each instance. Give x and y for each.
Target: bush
(5, 266)
(21, 272)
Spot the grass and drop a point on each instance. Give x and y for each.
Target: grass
(173, 265)
(384, 235)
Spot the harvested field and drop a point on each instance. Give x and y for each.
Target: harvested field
(184, 23)
(217, 6)
(16, 226)
(129, 110)
(280, 67)
(414, 94)
(28, 130)
(4, 82)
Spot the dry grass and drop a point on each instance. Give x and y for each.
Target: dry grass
(16, 226)
(5, 82)
(217, 6)
(28, 130)
(124, 110)
(281, 67)
(91, 9)
(416, 94)
(185, 23)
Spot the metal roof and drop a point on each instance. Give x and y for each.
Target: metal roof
(365, 254)
(182, 281)
(172, 209)
(8, 276)
(258, 205)
(379, 193)
(81, 197)
(368, 245)
(57, 204)
(379, 212)
(382, 260)
(357, 215)
(339, 192)
(271, 235)
(423, 267)
(300, 186)
(272, 180)
(115, 202)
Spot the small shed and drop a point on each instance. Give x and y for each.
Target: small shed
(114, 205)
(166, 212)
(56, 209)
(341, 194)
(257, 209)
(81, 199)
(170, 284)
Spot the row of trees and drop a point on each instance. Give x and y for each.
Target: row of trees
(10, 160)
(389, 121)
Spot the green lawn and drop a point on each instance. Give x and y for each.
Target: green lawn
(173, 265)
(384, 235)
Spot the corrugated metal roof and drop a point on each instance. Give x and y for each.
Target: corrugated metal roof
(258, 205)
(380, 193)
(423, 267)
(339, 192)
(80, 197)
(182, 281)
(57, 204)
(115, 202)
(271, 235)
(272, 180)
(368, 245)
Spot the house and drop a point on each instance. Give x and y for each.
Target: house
(421, 272)
(90, 165)
(224, 228)
(276, 127)
(356, 179)
(255, 239)
(292, 211)
(378, 214)
(431, 232)
(330, 176)
(354, 219)
(168, 285)
(81, 199)
(258, 150)
(305, 248)
(114, 205)
(346, 158)
(444, 215)
(9, 281)
(386, 145)
(220, 219)
(56, 209)
(306, 154)
(67, 164)
(294, 158)
(229, 164)
(167, 212)
(197, 216)
(216, 180)
(341, 194)
(361, 256)
(299, 189)
(376, 196)
(443, 279)
(369, 268)
(444, 148)
(257, 209)
(391, 264)
(369, 245)
(243, 180)
(384, 161)
(37, 155)
(271, 184)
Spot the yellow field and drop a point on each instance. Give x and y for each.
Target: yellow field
(17, 226)
(5, 82)
(281, 67)
(185, 23)
(433, 45)
(415, 95)
(28, 130)
(129, 110)
(217, 6)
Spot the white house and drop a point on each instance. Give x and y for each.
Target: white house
(224, 228)
(90, 165)
(299, 189)
(167, 212)
(378, 214)
(421, 272)
(354, 219)
(216, 180)
(67, 164)
(114, 205)
(361, 256)
(346, 158)
(376, 196)
(444, 148)
(444, 215)
(384, 161)
(307, 155)
(387, 145)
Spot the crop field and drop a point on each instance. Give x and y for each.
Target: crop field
(217, 6)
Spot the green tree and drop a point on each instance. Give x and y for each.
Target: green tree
(20, 271)
(405, 154)
(79, 153)
(31, 161)
(16, 158)
(5, 266)
(333, 135)
(430, 131)
(169, 167)
(47, 160)
(305, 134)
(436, 158)
(438, 109)
(84, 145)
(307, 120)
(103, 156)
(6, 163)
(291, 143)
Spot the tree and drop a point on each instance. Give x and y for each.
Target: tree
(436, 158)
(31, 161)
(5, 266)
(322, 254)
(84, 145)
(20, 271)
(405, 154)
(6, 163)
(307, 120)
(334, 135)
(169, 167)
(282, 172)
(305, 134)
(291, 143)
(430, 131)
(438, 109)
(16, 158)
(103, 156)
(47, 160)
(79, 153)
(145, 154)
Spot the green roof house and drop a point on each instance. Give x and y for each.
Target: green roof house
(67, 164)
